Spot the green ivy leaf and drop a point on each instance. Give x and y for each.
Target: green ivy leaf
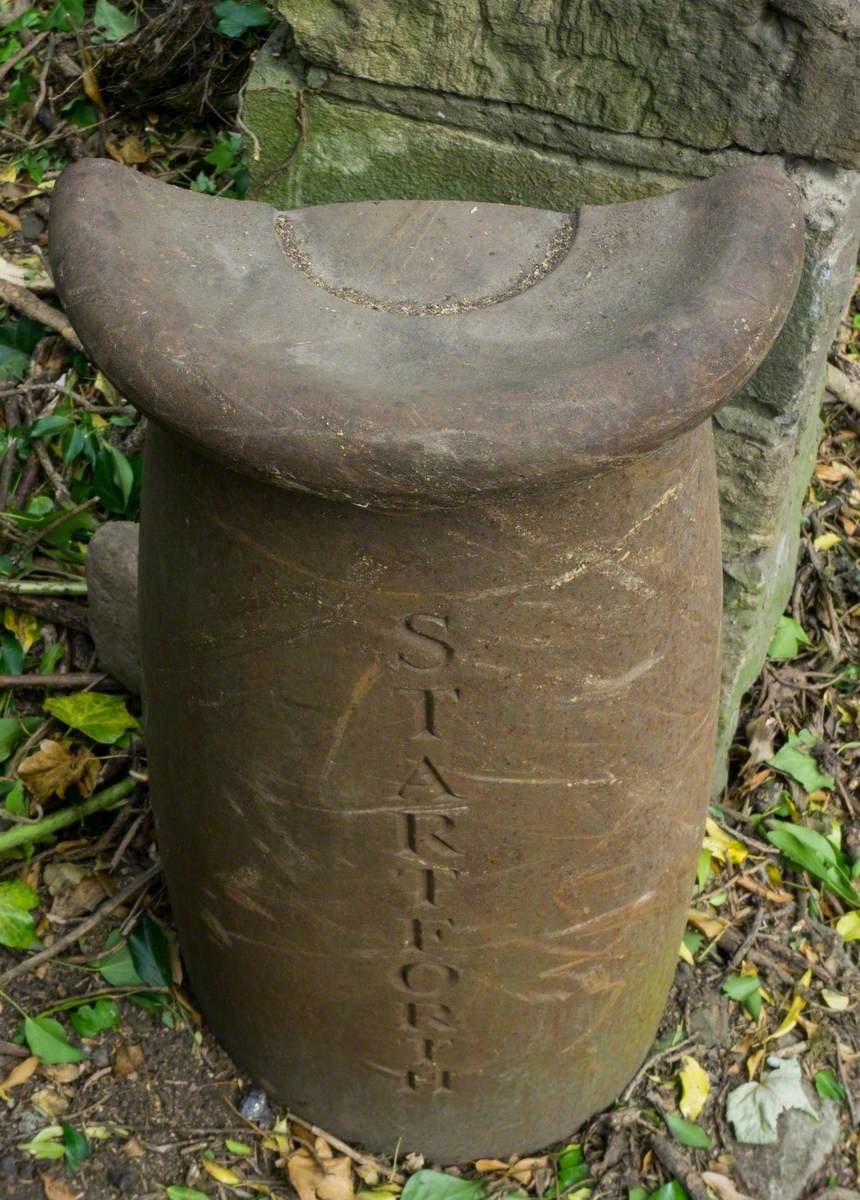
(223, 154)
(47, 1038)
(102, 717)
(150, 953)
(76, 1147)
(816, 854)
(829, 1087)
(688, 1133)
(17, 927)
(746, 989)
(670, 1191)
(112, 22)
(91, 1019)
(18, 340)
(795, 761)
(571, 1169)
(434, 1185)
(13, 730)
(118, 969)
(787, 639)
(235, 19)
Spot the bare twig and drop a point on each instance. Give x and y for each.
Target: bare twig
(34, 680)
(58, 611)
(31, 306)
(677, 1165)
(46, 587)
(23, 53)
(90, 923)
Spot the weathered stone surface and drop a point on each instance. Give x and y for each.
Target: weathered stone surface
(327, 137)
(765, 75)
(784, 1170)
(767, 438)
(112, 582)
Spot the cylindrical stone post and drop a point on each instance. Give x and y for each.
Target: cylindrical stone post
(430, 607)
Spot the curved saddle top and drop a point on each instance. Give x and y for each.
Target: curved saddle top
(401, 353)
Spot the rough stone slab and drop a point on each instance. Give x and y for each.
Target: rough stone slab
(785, 1170)
(316, 148)
(767, 438)
(112, 585)
(765, 75)
(325, 138)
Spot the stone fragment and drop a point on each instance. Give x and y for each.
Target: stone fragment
(112, 583)
(784, 1170)
(781, 76)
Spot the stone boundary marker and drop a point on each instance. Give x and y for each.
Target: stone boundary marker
(559, 103)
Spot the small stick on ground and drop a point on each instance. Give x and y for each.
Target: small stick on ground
(677, 1165)
(90, 923)
(849, 1096)
(58, 612)
(365, 1160)
(46, 587)
(745, 946)
(31, 306)
(33, 680)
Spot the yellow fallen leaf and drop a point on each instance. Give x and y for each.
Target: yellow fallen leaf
(685, 955)
(23, 625)
(826, 541)
(754, 1062)
(835, 1000)
(19, 1074)
(710, 926)
(490, 1164)
(221, 1174)
(796, 1007)
(849, 926)
(90, 83)
(721, 846)
(9, 173)
(54, 767)
(695, 1086)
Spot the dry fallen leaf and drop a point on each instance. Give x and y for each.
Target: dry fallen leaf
(56, 1189)
(65, 1072)
(19, 1074)
(54, 767)
(328, 1178)
(128, 1059)
(723, 1186)
(50, 1101)
(129, 151)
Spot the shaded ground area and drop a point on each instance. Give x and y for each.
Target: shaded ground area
(110, 1084)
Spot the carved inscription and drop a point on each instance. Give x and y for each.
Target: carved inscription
(430, 857)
